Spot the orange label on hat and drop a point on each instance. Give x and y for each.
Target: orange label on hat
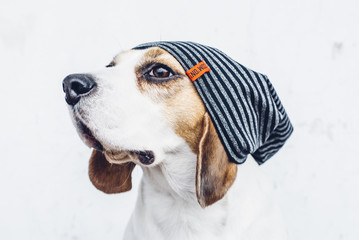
(198, 71)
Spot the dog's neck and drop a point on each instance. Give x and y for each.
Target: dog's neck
(167, 206)
(168, 197)
(175, 175)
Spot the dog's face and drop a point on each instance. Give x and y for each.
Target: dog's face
(139, 109)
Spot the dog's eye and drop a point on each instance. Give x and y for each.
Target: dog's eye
(160, 72)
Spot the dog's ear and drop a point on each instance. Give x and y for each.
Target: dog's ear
(215, 173)
(107, 177)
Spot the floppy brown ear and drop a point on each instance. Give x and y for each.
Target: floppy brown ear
(215, 173)
(107, 177)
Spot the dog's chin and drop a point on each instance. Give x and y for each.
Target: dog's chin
(113, 156)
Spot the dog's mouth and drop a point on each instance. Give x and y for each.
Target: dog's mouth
(88, 137)
(144, 157)
(114, 156)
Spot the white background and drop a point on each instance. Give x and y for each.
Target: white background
(309, 49)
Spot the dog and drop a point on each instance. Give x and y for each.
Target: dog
(143, 110)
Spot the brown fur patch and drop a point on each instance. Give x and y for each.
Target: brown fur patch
(185, 110)
(154, 53)
(182, 105)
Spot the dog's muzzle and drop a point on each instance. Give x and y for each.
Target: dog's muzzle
(76, 86)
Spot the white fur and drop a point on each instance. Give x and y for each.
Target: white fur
(117, 109)
(121, 117)
(167, 207)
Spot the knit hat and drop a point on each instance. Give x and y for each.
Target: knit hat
(243, 105)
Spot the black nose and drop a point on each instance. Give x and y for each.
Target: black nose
(77, 85)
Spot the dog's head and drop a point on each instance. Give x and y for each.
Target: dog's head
(137, 110)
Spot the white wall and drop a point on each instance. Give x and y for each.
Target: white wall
(308, 48)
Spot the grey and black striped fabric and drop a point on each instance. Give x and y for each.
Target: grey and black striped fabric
(243, 105)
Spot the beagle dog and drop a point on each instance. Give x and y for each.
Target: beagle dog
(143, 110)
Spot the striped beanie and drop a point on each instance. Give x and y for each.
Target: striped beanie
(243, 105)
